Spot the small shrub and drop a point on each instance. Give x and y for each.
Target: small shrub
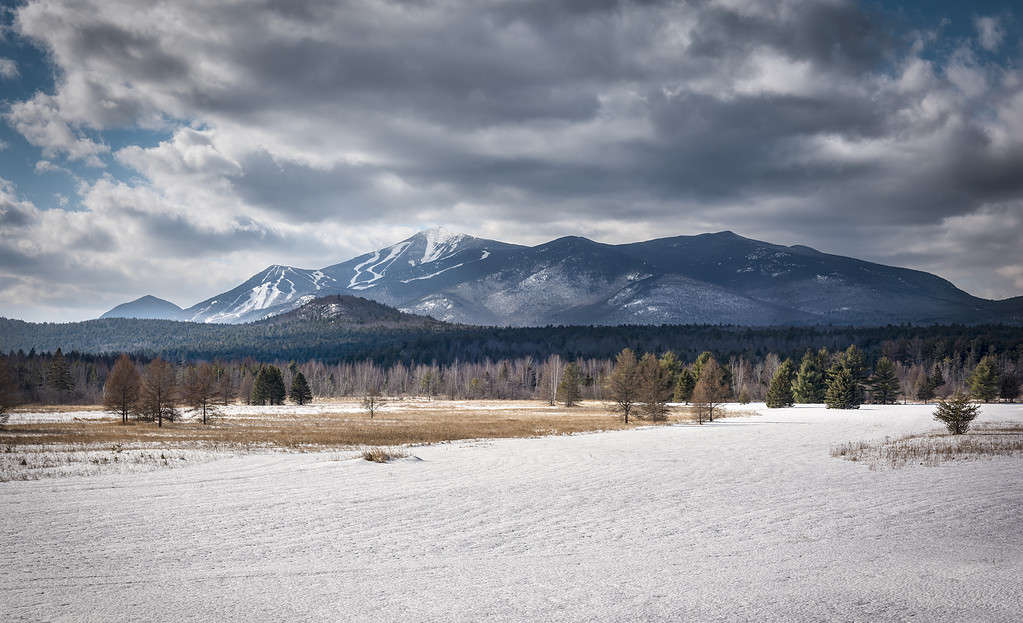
(383, 455)
(956, 413)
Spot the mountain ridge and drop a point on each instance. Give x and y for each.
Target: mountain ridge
(711, 278)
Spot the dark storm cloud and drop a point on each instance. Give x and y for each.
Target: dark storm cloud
(838, 36)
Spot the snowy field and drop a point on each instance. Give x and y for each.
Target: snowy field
(745, 519)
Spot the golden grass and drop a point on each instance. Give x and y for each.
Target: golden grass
(36, 408)
(383, 455)
(411, 424)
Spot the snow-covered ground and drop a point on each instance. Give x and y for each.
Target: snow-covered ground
(745, 519)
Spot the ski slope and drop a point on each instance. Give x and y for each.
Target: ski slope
(744, 519)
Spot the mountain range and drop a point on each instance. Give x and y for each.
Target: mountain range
(716, 278)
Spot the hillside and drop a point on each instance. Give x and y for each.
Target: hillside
(346, 328)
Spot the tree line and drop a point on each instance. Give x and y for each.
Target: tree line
(291, 339)
(841, 377)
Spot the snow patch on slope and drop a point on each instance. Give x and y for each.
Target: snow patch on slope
(440, 243)
(376, 267)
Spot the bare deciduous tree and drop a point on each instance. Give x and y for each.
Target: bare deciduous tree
(199, 391)
(157, 396)
(623, 385)
(711, 390)
(121, 391)
(373, 400)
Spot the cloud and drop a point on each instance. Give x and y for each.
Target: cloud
(308, 131)
(42, 123)
(8, 69)
(990, 32)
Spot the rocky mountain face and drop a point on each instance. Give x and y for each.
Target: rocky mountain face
(719, 278)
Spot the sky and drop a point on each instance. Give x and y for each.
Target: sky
(176, 148)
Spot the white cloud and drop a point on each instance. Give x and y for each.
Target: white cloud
(989, 32)
(8, 68)
(41, 122)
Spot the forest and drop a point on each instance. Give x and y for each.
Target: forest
(922, 362)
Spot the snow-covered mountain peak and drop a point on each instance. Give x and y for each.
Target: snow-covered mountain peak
(439, 243)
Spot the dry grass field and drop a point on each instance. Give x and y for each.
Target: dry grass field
(986, 440)
(333, 425)
(74, 440)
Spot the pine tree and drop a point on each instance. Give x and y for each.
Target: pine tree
(260, 387)
(655, 386)
(59, 376)
(843, 391)
(853, 361)
(300, 392)
(623, 384)
(957, 413)
(1009, 388)
(811, 382)
(569, 390)
(702, 359)
(672, 364)
(684, 385)
(779, 394)
(925, 388)
(121, 390)
(984, 380)
(269, 386)
(8, 391)
(884, 385)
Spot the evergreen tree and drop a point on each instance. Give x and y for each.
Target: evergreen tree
(655, 386)
(684, 385)
(779, 394)
(925, 388)
(569, 391)
(936, 378)
(1009, 388)
(984, 383)
(121, 390)
(884, 385)
(957, 413)
(59, 376)
(811, 380)
(623, 384)
(300, 392)
(843, 391)
(269, 386)
(8, 391)
(672, 364)
(853, 361)
(701, 359)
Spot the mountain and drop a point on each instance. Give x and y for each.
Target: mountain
(146, 307)
(352, 312)
(718, 278)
